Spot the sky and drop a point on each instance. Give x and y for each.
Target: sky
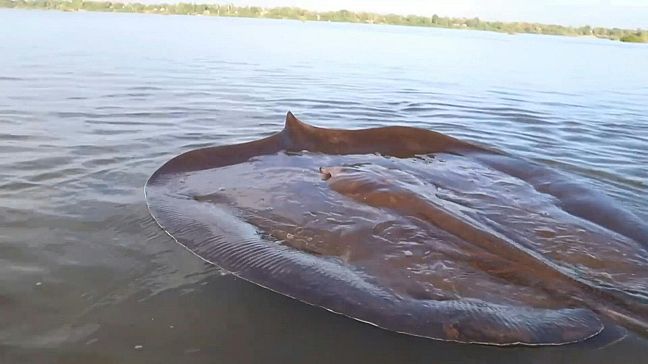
(607, 13)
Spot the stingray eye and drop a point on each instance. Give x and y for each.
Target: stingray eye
(326, 174)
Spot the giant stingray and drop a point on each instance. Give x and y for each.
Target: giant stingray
(412, 231)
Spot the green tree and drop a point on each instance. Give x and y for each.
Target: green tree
(435, 20)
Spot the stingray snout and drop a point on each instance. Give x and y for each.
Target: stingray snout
(328, 172)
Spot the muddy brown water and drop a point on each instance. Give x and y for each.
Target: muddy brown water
(92, 104)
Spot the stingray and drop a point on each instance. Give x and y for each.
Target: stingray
(412, 231)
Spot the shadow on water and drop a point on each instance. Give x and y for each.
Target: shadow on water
(223, 317)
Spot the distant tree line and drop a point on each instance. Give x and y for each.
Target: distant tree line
(625, 35)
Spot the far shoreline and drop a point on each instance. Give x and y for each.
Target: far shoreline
(340, 16)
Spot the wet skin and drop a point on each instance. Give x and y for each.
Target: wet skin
(412, 231)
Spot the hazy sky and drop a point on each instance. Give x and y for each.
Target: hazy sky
(610, 13)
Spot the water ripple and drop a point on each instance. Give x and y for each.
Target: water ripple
(83, 123)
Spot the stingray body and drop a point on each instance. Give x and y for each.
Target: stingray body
(412, 231)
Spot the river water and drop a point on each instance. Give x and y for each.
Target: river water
(91, 104)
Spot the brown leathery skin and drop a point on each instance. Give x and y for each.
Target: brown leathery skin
(524, 266)
(339, 271)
